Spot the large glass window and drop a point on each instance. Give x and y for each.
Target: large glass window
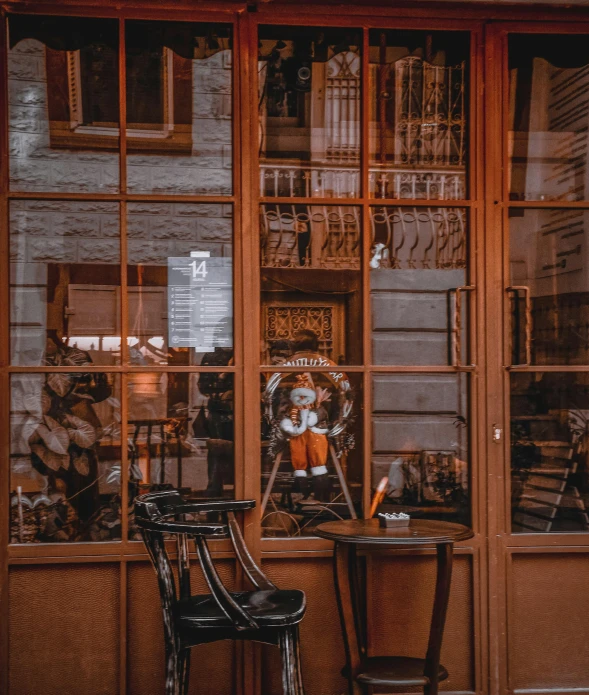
(180, 434)
(180, 284)
(549, 460)
(547, 116)
(420, 444)
(179, 84)
(311, 448)
(311, 282)
(547, 293)
(65, 454)
(418, 285)
(80, 430)
(64, 281)
(64, 104)
(125, 268)
(309, 111)
(419, 106)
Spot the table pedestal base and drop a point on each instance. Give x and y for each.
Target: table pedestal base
(363, 671)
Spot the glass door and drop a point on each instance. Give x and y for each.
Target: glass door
(537, 101)
(547, 289)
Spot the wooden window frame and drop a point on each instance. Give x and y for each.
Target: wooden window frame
(64, 77)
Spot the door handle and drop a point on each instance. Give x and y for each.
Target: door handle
(515, 289)
(456, 326)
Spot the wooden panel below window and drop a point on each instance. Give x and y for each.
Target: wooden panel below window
(401, 593)
(322, 647)
(64, 629)
(213, 665)
(548, 629)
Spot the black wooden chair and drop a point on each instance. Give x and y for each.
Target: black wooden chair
(265, 614)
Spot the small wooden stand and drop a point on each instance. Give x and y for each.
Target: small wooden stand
(365, 672)
(338, 470)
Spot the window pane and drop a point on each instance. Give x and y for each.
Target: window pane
(309, 104)
(179, 107)
(311, 282)
(311, 450)
(418, 114)
(550, 296)
(180, 284)
(549, 459)
(63, 104)
(65, 456)
(65, 279)
(548, 116)
(180, 434)
(417, 265)
(420, 436)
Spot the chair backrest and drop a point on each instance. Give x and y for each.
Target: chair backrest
(160, 513)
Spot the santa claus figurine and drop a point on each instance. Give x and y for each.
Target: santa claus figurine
(308, 442)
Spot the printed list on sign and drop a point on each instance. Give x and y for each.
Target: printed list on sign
(200, 302)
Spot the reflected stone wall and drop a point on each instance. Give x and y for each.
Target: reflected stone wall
(37, 167)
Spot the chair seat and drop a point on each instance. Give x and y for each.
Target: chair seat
(268, 608)
(395, 671)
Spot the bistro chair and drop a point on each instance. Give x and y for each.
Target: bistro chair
(265, 614)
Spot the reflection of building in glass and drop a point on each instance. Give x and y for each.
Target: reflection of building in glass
(310, 89)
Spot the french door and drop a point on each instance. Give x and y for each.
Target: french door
(536, 297)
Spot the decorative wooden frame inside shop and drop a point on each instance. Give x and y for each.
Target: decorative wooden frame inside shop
(493, 547)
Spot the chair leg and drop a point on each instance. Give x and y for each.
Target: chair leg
(292, 681)
(177, 672)
(184, 671)
(173, 671)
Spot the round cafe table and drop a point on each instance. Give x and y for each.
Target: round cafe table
(363, 671)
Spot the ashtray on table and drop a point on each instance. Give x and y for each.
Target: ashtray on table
(393, 520)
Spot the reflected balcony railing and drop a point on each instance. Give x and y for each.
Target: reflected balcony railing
(326, 180)
(326, 237)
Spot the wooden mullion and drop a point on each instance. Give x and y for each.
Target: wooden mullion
(308, 200)
(113, 550)
(535, 368)
(251, 289)
(493, 252)
(249, 659)
(551, 204)
(124, 312)
(547, 542)
(122, 109)
(477, 387)
(123, 385)
(405, 14)
(131, 197)
(572, 26)
(123, 589)
(364, 260)
(4, 359)
(124, 352)
(360, 369)
(421, 202)
(304, 16)
(118, 369)
(208, 12)
(238, 241)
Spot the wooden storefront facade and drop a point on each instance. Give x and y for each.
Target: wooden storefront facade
(81, 615)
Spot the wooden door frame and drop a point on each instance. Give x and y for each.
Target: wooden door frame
(503, 544)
